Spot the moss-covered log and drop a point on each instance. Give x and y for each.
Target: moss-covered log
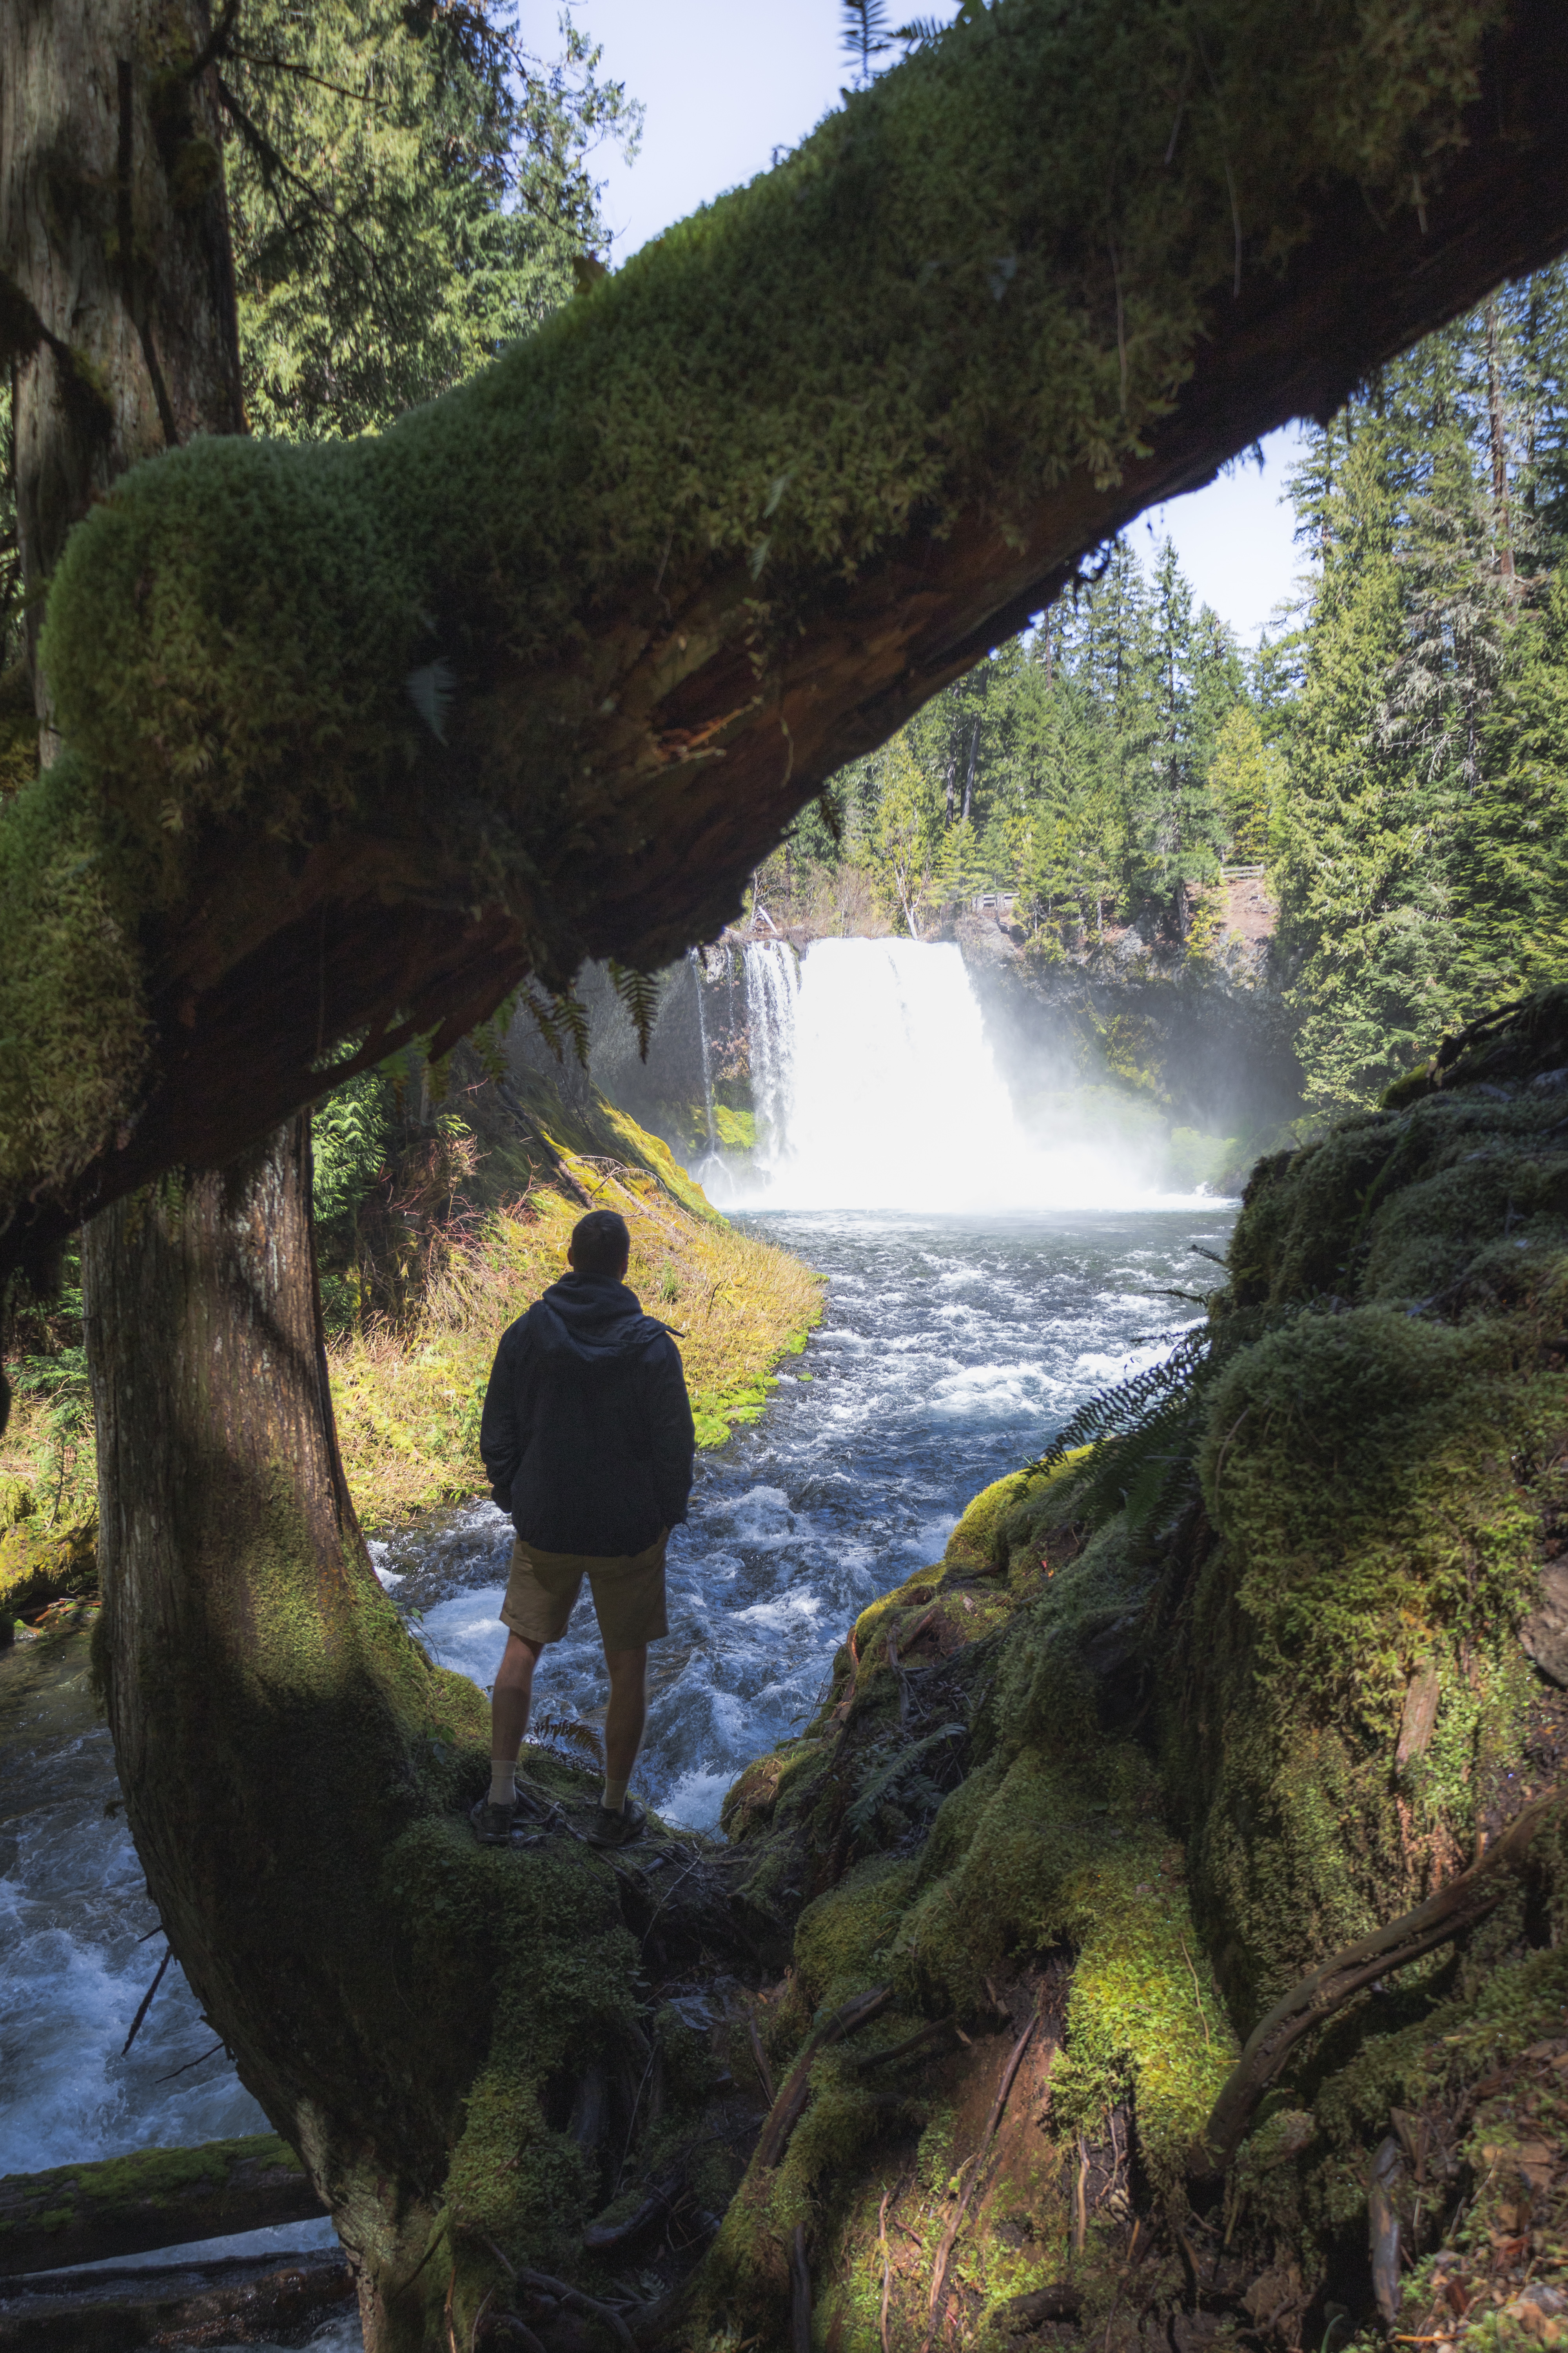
(154, 2198)
(357, 736)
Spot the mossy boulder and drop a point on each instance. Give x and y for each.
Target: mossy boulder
(38, 1566)
(1200, 1742)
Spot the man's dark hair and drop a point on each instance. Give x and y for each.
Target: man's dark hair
(601, 1242)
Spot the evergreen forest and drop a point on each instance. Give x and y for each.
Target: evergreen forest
(1392, 752)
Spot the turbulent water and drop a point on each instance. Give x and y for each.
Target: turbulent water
(951, 1347)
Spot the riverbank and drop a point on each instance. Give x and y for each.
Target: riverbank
(459, 1224)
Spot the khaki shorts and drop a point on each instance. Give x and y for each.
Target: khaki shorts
(628, 1593)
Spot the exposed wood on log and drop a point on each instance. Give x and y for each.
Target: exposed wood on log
(380, 938)
(162, 2198)
(1327, 1988)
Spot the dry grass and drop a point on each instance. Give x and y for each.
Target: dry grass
(408, 1405)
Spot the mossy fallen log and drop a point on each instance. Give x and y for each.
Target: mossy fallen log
(155, 2197)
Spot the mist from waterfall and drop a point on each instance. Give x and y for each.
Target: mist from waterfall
(875, 1088)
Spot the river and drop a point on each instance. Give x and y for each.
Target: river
(952, 1346)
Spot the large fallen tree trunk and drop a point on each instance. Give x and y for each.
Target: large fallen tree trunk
(155, 2197)
(358, 737)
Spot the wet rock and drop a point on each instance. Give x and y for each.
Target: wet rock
(1544, 1633)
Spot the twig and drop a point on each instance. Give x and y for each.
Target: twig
(949, 2236)
(566, 2294)
(1080, 2200)
(147, 2001)
(886, 2263)
(759, 2058)
(785, 2112)
(911, 2043)
(218, 2045)
(1330, 1986)
(681, 1882)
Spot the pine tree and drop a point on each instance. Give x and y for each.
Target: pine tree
(410, 190)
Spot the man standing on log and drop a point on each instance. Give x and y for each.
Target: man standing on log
(588, 1437)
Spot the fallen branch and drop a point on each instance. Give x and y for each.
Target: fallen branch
(950, 2235)
(65, 2315)
(564, 2292)
(147, 2001)
(1329, 1987)
(785, 2111)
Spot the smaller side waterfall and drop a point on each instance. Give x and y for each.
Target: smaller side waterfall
(772, 996)
(695, 960)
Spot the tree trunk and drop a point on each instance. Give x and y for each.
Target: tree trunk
(271, 1717)
(114, 233)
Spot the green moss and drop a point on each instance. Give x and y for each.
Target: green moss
(38, 1566)
(841, 1941)
(905, 323)
(147, 2176)
(17, 1502)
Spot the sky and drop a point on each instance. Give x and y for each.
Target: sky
(723, 84)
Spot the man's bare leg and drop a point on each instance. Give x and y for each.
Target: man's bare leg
(509, 1704)
(624, 1721)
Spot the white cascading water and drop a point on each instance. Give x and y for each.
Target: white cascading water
(875, 1089)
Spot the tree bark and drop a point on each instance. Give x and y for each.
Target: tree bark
(271, 1717)
(114, 236)
(670, 738)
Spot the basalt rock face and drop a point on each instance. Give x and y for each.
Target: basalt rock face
(1192, 1057)
(1264, 1669)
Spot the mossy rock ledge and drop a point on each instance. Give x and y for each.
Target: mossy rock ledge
(1114, 1775)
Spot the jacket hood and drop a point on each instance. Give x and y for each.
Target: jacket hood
(592, 1317)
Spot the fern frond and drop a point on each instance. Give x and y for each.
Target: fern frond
(560, 1020)
(639, 992)
(568, 1737)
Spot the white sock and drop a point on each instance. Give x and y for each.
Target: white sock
(503, 1781)
(614, 1797)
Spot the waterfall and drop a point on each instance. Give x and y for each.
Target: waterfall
(875, 1088)
(696, 963)
(772, 995)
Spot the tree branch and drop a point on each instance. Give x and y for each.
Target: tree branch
(1330, 1985)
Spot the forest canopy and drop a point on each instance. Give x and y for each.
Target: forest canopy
(1392, 752)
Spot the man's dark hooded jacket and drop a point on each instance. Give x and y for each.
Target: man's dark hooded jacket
(586, 1432)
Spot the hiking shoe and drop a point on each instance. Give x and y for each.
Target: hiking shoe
(606, 1829)
(491, 1824)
